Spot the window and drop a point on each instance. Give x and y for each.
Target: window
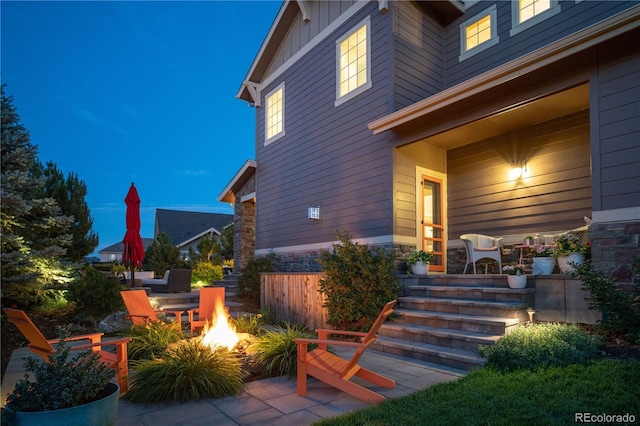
(274, 115)
(527, 9)
(527, 13)
(478, 33)
(353, 63)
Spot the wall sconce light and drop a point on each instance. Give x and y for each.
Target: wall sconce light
(519, 172)
(314, 213)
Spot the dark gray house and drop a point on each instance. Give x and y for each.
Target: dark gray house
(403, 122)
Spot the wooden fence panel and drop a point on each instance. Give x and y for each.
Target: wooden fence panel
(294, 298)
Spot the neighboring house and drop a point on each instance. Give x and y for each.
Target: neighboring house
(114, 252)
(186, 229)
(404, 122)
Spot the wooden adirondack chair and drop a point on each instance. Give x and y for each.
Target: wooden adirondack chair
(38, 344)
(338, 372)
(140, 309)
(209, 298)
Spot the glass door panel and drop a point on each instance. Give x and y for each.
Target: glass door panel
(432, 227)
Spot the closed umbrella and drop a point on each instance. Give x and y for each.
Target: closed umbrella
(133, 253)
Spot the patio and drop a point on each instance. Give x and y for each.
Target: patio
(270, 401)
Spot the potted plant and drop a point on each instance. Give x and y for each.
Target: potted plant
(528, 240)
(515, 275)
(543, 260)
(569, 251)
(418, 260)
(64, 391)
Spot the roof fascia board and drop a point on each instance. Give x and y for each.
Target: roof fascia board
(200, 235)
(567, 46)
(348, 14)
(245, 167)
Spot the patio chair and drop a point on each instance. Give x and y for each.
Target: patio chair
(479, 247)
(39, 345)
(140, 309)
(209, 298)
(336, 371)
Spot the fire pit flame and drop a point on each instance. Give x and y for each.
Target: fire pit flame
(220, 332)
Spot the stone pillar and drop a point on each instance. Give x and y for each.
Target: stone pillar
(244, 224)
(613, 248)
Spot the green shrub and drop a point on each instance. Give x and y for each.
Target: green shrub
(620, 310)
(358, 281)
(249, 281)
(187, 370)
(276, 350)
(96, 294)
(540, 345)
(248, 323)
(152, 339)
(62, 382)
(205, 273)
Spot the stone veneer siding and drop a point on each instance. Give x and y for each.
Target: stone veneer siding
(244, 224)
(613, 248)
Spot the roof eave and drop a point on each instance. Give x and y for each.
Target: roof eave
(247, 170)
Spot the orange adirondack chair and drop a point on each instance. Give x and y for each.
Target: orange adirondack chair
(209, 298)
(140, 309)
(338, 372)
(38, 344)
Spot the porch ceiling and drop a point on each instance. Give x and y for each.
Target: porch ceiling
(514, 117)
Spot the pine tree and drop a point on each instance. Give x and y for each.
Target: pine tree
(70, 195)
(34, 230)
(162, 255)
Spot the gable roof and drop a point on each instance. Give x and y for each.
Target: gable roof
(119, 247)
(247, 170)
(183, 226)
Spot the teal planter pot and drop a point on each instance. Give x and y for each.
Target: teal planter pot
(102, 412)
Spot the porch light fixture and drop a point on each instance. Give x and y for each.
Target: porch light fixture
(519, 172)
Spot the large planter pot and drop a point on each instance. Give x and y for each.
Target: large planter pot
(566, 262)
(102, 412)
(517, 281)
(543, 265)
(420, 268)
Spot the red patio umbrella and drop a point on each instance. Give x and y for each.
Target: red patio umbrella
(133, 253)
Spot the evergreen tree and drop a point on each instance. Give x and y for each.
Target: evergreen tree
(208, 251)
(34, 230)
(162, 255)
(70, 195)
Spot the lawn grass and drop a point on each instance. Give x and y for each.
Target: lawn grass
(486, 396)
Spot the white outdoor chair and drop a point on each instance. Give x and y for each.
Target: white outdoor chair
(479, 247)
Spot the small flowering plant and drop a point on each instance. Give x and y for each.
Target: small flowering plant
(417, 255)
(513, 269)
(568, 243)
(543, 251)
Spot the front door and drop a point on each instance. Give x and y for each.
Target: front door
(432, 221)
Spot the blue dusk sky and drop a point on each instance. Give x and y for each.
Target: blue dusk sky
(141, 91)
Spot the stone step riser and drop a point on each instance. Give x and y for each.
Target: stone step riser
(446, 341)
(493, 281)
(452, 308)
(427, 356)
(475, 294)
(455, 324)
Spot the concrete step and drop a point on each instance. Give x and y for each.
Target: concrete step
(460, 280)
(463, 322)
(498, 294)
(503, 309)
(455, 339)
(450, 357)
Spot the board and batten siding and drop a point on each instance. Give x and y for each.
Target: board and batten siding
(556, 196)
(573, 17)
(327, 156)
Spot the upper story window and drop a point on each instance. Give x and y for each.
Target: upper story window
(478, 33)
(353, 62)
(527, 13)
(274, 115)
